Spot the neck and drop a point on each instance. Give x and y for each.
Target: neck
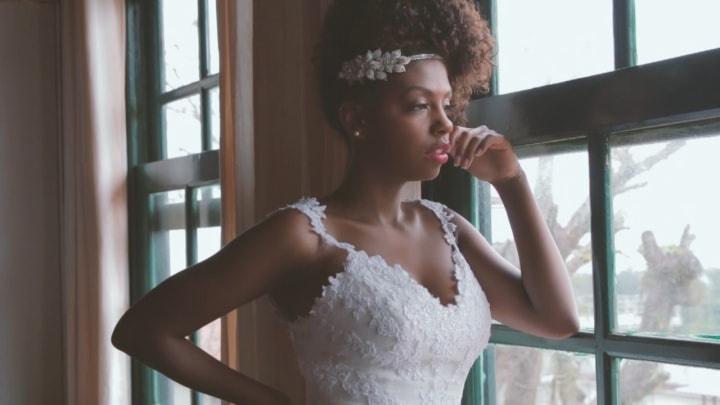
(368, 195)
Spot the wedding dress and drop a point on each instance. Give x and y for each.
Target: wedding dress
(377, 336)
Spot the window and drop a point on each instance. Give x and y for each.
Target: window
(173, 109)
(613, 112)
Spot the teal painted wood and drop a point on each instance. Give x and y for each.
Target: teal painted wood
(624, 33)
(601, 224)
(153, 49)
(483, 223)
(143, 379)
(672, 91)
(191, 214)
(473, 390)
(483, 377)
(583, 342)
(189, 89)
(146, 143)
(489, 386)
(173, 174)
(501, 111)
(204, 56)
(191, 252)
(685, 352)
(206, 128)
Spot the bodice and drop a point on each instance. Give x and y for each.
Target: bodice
(375, 335)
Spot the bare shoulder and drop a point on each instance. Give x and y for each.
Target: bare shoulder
(288, 232)
(248, 267)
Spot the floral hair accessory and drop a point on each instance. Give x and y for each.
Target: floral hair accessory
(375, 65)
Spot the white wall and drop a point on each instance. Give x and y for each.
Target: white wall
(31, 346)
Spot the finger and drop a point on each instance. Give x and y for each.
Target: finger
(487, 142)
(469, 152)
(457, 130)
(460, 145)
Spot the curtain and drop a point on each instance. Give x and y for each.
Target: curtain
(95, 272)
(235, 38)
(269, 115)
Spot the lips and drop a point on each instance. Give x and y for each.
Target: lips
(440, 148)
(439, 153)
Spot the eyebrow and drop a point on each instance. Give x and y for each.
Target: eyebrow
(423, 89)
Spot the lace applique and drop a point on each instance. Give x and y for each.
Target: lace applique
(375, 335)
(444, 214)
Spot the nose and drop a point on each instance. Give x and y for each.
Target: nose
(442, 124)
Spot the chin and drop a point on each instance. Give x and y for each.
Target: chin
(430, 175)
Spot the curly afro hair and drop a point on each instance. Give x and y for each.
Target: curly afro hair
(453, 29)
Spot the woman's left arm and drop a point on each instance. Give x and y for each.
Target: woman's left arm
(537, 298)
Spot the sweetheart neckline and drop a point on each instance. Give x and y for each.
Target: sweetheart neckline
(335, 278)
(353, 250)
(453, 271)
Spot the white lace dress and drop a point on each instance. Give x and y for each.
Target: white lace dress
(377, 336)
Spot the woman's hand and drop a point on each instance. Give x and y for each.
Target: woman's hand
(485, 153)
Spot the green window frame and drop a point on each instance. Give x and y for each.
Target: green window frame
(151, 173)
(690, 110)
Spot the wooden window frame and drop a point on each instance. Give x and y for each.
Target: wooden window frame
(599, 112)
(151, 172)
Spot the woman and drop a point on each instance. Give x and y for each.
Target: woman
(387, 301)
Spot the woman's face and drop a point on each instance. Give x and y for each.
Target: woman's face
(408, 120)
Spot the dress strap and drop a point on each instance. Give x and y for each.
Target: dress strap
(315, 212)
(444, 215)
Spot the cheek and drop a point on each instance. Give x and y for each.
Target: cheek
(398, 134)
(403, 125)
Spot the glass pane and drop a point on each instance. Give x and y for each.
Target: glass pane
(180, 43)
(214, 50)
(560, 185)
(644, 382)
(215, 118)
(667, 28)
(208, 232)
(545, 42)
(167, 225)
(183, 127)
(666, 231)
(527, 376)
(209, 339)
(167, 250)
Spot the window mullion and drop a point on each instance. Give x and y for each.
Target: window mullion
(191, 251)
(206, 127)
(603, 264)
(203, 37)
(489, 397)
(156, 75)
(624, 33)
(189, 89)
(204, 62)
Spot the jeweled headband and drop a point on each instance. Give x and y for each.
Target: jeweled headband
(375, 65)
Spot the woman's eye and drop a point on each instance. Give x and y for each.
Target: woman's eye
(425, 106)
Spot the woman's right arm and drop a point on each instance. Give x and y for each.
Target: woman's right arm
(153, 330)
